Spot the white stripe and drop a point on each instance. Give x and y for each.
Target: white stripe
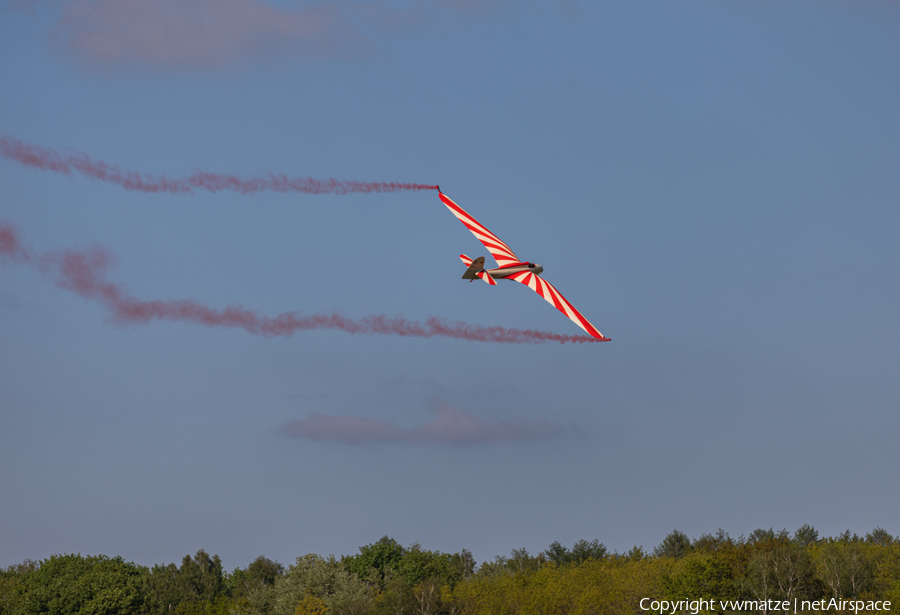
(565, 304)
(570, 311)
(493, 239)
(483, 232)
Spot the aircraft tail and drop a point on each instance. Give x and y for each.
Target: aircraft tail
(474, 267)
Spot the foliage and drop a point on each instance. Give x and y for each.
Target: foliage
(199, 579)
(385, 578)
(10, 580)
(783, 572)
(807, 535)
(463, 563)
(700, 576)
(261, 573)
(846, 568)
(325, 579)
(376, 561)
(582, 550)
(610, 585)
(418, 565)
(880, 537)
(66, 584)
(676, 545)
(420, 581)
(310, 605)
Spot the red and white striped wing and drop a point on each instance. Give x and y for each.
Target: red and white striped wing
(546, 290)
(499, 250)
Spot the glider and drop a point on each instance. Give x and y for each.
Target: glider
(509, 267)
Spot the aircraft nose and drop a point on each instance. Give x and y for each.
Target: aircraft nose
(538, 268)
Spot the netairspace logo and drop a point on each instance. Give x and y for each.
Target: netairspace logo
(670, 607)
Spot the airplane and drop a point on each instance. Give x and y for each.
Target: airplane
(509, 267)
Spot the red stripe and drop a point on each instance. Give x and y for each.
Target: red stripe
(556, 302)
(588, 326)
(480, 227)
(553, 295)
(494, 247)
(493, 237)
(544, 287)
(462, 212)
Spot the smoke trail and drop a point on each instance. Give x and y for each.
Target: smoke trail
(51, 160)
(449, 426)
(84, 272)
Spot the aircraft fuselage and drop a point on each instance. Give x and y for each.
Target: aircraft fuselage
(504, 272)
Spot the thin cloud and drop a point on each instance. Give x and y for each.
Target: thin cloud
(449, 426)
(187, 34)
(214, 34)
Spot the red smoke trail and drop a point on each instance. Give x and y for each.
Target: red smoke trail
(84, 272)
(79, 162)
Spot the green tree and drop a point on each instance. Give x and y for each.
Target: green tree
(521, 560)
(714, 543)
(421, 581)
(202, 576)
(310, 605)
(880, 537)
(782, 572)
(848, 537)
(760, 535)
(558, 554)
(584, 550)
(261, 573)
(418, 565)
(323, 578)
(199, 579)
(886, 579)
(612, 586)
(464, 563)
(65, 584)
(700, 575)
(844, 567)
(222, 605)
(10, 580)
(634, 554)
(807, 535)
(375, 561)
(676, 545)
(396, 599)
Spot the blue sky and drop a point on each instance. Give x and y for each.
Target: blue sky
(713, 184)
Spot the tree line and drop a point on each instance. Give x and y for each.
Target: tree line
(386, 578)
